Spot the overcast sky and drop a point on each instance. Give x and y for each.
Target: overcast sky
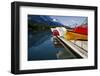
(69, 20)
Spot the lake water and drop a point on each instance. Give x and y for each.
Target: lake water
(41, 47)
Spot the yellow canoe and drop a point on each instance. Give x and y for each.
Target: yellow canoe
(69, 35)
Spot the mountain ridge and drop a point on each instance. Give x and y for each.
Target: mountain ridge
(44, 20)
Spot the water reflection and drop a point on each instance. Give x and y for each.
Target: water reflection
(43, 46)
(62, 54)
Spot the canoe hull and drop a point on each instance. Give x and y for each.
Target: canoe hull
(75, 36)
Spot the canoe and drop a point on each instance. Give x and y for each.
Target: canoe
(82, 29)
(70, 35)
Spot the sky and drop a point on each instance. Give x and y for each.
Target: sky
(69, 20)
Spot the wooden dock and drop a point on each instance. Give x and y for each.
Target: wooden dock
(83, 53)
(80, 49)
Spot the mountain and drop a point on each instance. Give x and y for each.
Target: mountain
(43, 20)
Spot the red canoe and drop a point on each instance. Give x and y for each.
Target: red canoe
(55, 33)
(82, 29)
